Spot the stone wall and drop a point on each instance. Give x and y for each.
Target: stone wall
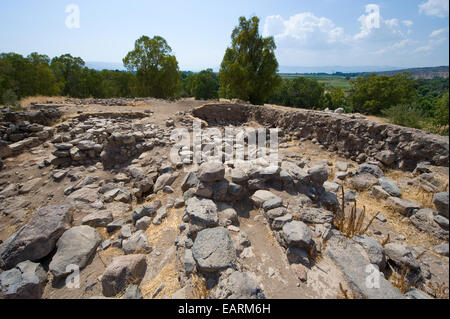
(350, 136)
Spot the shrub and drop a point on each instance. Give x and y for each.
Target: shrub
(9, 98)
(405, 115)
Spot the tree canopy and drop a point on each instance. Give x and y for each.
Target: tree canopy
(249, 67)
(157, 71)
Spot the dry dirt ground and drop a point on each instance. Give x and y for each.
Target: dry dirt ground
(265, 258)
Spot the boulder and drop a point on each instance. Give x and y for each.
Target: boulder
(374, 250)
(390, 186)
(121, 271)
(297, 234)
(401, 254)
(211, 172)
(38, 238)
(98, 219)
(214, 250)
(371, 169)
(425, 220)
(136, 243)
(402, 205)
(261, 196)
(441, 202)
(202, 212)
(75, 247)
(362, 182)
(26, 281)
(238, 285)
(318, 174)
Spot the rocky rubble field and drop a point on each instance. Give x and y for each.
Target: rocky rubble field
(89, 185)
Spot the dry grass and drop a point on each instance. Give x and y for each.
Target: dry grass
(399, 223)
(343, 293)
(439, 291)
(155, 232)
(168, 276)
(353, 224)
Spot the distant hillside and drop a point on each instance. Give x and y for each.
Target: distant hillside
(421, 73)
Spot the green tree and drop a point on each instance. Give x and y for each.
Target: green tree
(300, 92)
(157, 71)
(372, 94)
(205, 85)
(335, 98)
(249, 67)
(441, 116)
(68, 71)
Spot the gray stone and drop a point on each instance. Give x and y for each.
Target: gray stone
(189, 261)
(214, 250)
(331, 187)
(122, 270)
(238, 176)
(261, 196)
(370, 169)
(374, 250)
(424, 220)
(314, 216)
(142, 211)
(133, 292)
(441, 249)
(26, 281)
(403, 206)
(390, 186)
(189, 181)
(347, 256)
(272, 204)
(297, 256)
(386, 157)
(401, 254)
(318, 174)
(211, 171)
(379, 193)
(136, 243)
(441, 202)
(75, 247)
(143, 223)
(38, 238)
(417, 294)
(238, 285)
(202, 212)
(297, 234)
(364, 181)
(164, 180)
(279, 222)
(98, 219)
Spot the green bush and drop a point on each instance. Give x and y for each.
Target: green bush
(9, 98)
(405, 115)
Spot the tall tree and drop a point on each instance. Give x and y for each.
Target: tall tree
(249, 67)
(157, 70)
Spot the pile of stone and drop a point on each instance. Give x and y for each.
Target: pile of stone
(112, 141)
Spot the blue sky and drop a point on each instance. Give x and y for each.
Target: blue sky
(401, 33)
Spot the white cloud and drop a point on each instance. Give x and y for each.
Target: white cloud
(408, 23)
(439, 32)
(431, 45)
(391, 23)
(319, 41)
(304, 28)
(370, 21)
(438, 8)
